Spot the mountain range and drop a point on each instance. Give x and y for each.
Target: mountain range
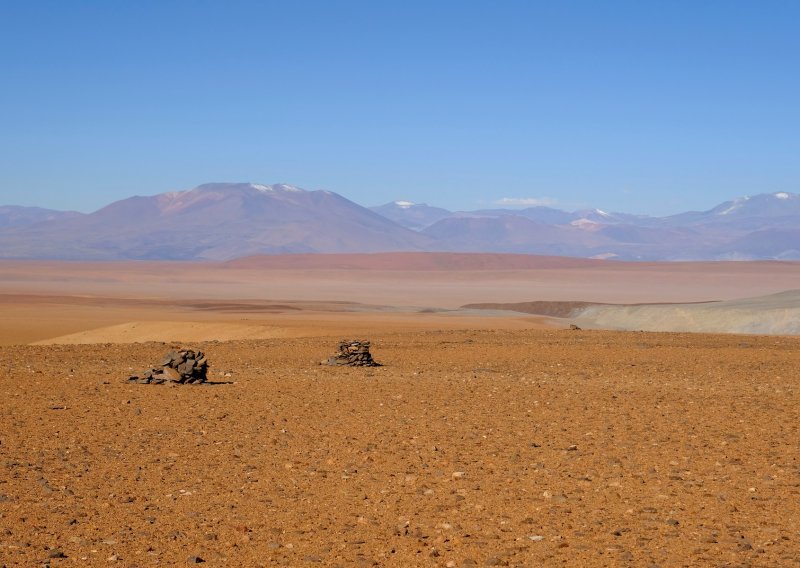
(220, 221)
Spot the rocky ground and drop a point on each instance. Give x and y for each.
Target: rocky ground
(467, 448)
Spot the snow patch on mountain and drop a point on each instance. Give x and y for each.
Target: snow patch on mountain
(735, 204)
(287, 187)
(273, 188)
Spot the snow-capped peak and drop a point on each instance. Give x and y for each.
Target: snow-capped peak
(782, 195)
(277, 187)
(404, 204)
(287, 187)
(735, 204)
(602, 213)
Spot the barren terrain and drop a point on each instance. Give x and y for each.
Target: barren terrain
(486, 438)
(301, 295)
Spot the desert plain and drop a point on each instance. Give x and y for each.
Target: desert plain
(488, 437)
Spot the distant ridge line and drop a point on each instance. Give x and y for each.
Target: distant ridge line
(402, 261)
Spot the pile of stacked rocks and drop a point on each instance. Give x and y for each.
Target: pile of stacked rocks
(182, 367)
(352, 354)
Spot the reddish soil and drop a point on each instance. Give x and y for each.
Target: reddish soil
(484, 440)
(404, 261)
(468, 448)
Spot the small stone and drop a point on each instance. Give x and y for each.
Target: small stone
(459, 474)
(536, 537)
(171, 374)
(195, 560)
(56, 553)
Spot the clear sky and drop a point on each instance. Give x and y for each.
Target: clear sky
(645, 106)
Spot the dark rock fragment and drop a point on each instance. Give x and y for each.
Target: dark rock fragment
(352, 354)
(181, 367)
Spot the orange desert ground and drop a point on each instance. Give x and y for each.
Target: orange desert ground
(493, 435)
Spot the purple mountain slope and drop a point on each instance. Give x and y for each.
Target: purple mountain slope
(215, 221)
(15, 216)
(227, 220)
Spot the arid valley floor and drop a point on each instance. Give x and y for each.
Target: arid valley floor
(487, 438)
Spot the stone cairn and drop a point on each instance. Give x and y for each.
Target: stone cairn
(352, 354)
(182, 367)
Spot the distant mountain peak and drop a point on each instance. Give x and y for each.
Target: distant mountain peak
(276, 187)
(771, 204)
(226, 219)
(734, 205)
(243, 186)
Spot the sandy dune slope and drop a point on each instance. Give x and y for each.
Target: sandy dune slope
(189, 331)
(773, 314)
(776, 314)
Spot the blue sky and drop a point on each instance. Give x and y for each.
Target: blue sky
(642, 106)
